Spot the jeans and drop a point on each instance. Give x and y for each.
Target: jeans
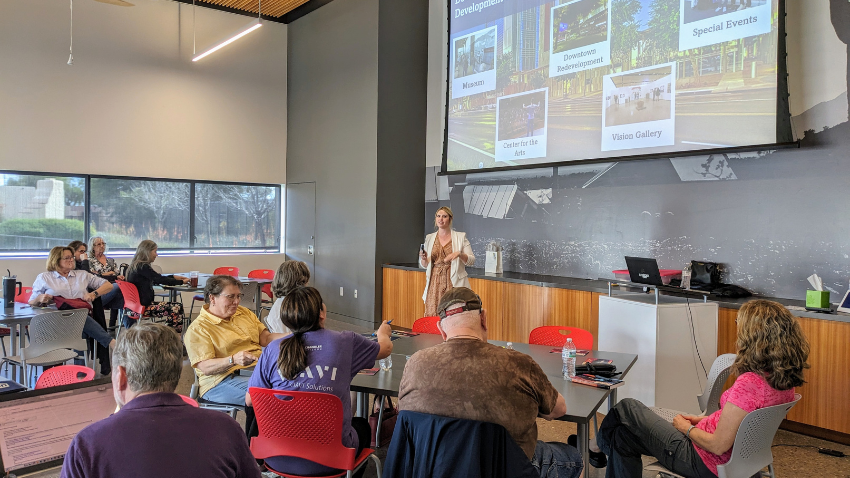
(113, 299)
(631, 429)
(93, 330)
(231, 390)
(556, 460)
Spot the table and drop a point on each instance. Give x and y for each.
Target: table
(16, 319)
(202, 281)
(582, 401)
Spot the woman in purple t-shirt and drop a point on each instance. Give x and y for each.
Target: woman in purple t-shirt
(772, 354)
(314, 359)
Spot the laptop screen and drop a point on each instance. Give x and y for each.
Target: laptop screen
(36, 430)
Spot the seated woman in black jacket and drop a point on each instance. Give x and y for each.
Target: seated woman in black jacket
(142, 275)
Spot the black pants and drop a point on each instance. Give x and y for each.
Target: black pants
(631, 429)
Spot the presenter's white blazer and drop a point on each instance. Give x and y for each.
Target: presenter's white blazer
(457, 274)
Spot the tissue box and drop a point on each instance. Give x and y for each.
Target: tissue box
(817, 298)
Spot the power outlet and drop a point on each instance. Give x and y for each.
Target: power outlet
(340, 292)
(355, 293)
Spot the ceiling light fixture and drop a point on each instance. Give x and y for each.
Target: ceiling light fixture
(255, 24)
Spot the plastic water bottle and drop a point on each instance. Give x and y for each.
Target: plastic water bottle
(686, 276)
(509, 346)
(568, 357)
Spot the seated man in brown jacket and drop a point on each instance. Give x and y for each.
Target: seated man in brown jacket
(466, 377)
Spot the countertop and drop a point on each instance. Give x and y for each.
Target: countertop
(601, 286)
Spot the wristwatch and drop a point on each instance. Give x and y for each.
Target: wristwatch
(96, 295)
(688, 434)
(231, 360)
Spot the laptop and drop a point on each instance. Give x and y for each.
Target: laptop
(644, 271)
(37, 426)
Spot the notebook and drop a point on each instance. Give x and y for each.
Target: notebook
(36, 427)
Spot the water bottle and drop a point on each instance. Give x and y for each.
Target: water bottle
(509, 346)
(686, 276)
(568, 357)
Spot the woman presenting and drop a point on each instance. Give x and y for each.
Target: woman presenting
(445, 264)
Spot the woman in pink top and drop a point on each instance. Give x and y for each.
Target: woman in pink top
(772, 354)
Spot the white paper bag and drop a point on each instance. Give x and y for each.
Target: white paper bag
(493, 264)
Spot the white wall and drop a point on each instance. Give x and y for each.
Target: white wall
(134, 104)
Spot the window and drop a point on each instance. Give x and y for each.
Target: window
(125, 211)
(228, 215)
(40, 211)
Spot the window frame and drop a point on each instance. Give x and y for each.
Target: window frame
(191, 249)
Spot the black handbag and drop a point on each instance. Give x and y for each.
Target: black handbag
(705, 273)
(606, 370)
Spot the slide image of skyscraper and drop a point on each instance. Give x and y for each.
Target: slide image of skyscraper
(474, 63)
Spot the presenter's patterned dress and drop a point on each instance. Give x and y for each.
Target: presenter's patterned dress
(440, 276)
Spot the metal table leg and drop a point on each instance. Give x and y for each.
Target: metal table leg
(13, 347)
(612, 399)
(380, 419)
(583, 442)
(258, 302)
(21, 345)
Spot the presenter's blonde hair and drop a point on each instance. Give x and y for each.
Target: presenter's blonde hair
(448, 211)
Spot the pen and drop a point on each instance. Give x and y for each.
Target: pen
(375, 334)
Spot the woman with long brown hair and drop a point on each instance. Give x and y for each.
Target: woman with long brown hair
(141, 274)
(772, 354)
(315, 359)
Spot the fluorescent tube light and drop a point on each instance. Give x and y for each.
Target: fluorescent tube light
(251, 27)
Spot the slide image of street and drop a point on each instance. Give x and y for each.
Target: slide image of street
(696, 10)
(522, 116)
(475, 53)
(640, 97)
(578, 24)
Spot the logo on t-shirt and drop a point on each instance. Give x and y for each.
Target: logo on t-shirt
(320, 372)
(314, 347)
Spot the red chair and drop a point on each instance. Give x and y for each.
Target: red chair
(426, 325)
(263, 274)
(64, 375)
(556, 336)
(219, 271)
(226, 271)
(131, 302)
(189, 400)
(305, 425)
(24, 296)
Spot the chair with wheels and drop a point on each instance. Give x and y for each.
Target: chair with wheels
(709, 400)
(751, 450)
(219, 271)
(306, 425)
(227, 408)
(64, 375)
(557, 335)
(426, 325)
(132, 303)
(55, 338)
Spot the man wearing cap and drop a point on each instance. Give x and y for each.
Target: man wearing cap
(466, 377)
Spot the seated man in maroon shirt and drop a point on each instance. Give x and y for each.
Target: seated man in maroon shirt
(156, 433)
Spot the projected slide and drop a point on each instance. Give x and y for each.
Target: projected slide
(533, 82)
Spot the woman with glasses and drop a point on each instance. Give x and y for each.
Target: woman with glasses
(64, 283)
(98, 262)
(142, 275)
(224, 338)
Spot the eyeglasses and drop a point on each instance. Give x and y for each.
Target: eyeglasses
(232, 296)
(68, 258)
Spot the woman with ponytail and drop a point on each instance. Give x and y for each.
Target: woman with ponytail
(315, 359)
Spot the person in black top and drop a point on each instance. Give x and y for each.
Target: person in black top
(113, 300)
(142, 275)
